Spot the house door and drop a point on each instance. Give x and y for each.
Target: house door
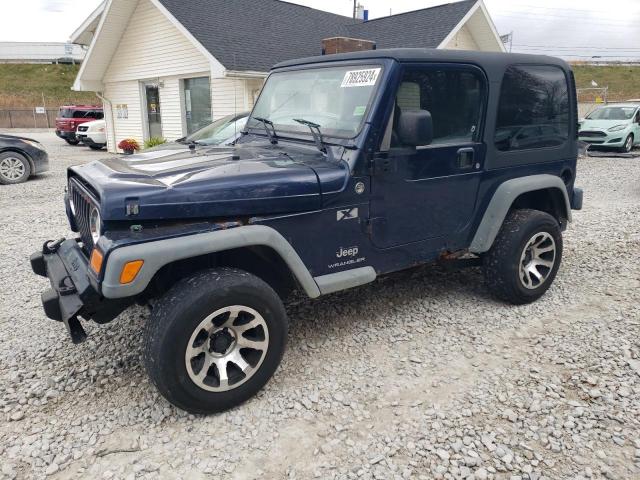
(152, 103)
(429, 191)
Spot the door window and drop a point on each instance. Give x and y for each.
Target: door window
(533, 111)
(453, 97)
(197, 103)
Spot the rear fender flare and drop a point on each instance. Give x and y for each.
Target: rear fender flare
(502, 201)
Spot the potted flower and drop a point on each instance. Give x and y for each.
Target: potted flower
(128, 146)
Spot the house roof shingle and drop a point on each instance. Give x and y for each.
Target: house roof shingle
(248, 35)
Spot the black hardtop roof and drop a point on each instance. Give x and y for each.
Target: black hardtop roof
(485, 59)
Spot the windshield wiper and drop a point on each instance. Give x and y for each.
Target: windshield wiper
(266, 123)
(315, 131)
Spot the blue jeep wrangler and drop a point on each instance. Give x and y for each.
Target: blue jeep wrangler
(350, 167)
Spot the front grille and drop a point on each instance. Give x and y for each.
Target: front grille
(82, 129)
(591, 134)
(83, 204)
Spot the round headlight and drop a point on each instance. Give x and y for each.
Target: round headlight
(95, 225)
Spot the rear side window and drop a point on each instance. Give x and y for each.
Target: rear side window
(533, 111)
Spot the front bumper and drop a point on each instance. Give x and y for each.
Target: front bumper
(576, 198)
(72, 293)
(40, 160)
(90, 141)
(604, 138)
(66, 135)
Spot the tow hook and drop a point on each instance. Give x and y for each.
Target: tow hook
(51, 246)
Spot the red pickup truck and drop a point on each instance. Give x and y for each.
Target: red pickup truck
(70, 116)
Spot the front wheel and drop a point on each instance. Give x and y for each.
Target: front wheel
(215, 339)
(14, 168)
(96, 147)
(628, 144)
(525, 257)
(72, 141)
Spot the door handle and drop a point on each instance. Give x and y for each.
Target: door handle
(465, 158)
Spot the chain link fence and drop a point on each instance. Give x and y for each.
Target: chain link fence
(28, 118)
(591, 98)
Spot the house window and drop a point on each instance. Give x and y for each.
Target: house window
(534, 108)
(197, 103)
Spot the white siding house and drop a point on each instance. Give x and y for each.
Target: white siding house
(153, 50)
(165, 68)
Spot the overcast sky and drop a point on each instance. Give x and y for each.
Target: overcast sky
(578, 29)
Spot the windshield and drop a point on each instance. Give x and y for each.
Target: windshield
(336, 99)
(612, 113)
(222, 130)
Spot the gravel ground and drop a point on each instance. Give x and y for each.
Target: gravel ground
(420, 375)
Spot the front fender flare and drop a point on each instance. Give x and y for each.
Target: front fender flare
(502, 200)
(157, 254)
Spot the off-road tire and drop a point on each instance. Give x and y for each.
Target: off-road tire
(628, 144)
(12, 164)
(501, 264)
(72, 142)
(177, 315)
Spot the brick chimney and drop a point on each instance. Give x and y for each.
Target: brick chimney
(345, 45)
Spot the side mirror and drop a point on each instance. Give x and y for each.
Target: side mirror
(415, 128)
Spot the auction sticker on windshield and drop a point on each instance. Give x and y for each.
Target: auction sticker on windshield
(360, 78)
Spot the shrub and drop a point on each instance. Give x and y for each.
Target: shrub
(129, 144)
(154, 142)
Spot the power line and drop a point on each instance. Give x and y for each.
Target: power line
(576, 46)
(534, 16)
(553, 9)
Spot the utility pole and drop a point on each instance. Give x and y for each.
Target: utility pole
(355, 7)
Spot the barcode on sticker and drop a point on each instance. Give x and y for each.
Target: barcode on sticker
(360, 78)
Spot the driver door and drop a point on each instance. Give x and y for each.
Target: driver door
(428, 192)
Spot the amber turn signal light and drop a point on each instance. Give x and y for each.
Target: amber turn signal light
(130, 271)
(96, 260)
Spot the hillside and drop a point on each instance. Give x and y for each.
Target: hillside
(22, 86)
(623, 81)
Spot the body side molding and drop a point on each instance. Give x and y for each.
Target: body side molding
(334, 282)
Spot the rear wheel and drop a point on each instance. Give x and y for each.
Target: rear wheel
(525, 257)
(628, 144)
(215, 339)
(14, 168)
(96, 147)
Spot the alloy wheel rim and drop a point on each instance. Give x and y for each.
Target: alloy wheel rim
(537, 260)
(12, 168)
(628, 144)
(227, 348)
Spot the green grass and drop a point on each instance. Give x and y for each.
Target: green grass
(22, 86)
(623, 81)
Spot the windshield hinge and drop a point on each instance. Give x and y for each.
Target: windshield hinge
(381, 163)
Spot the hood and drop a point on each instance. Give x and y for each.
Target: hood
(95, 123)
(602, 124)
(14, 137)
(210, 182)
